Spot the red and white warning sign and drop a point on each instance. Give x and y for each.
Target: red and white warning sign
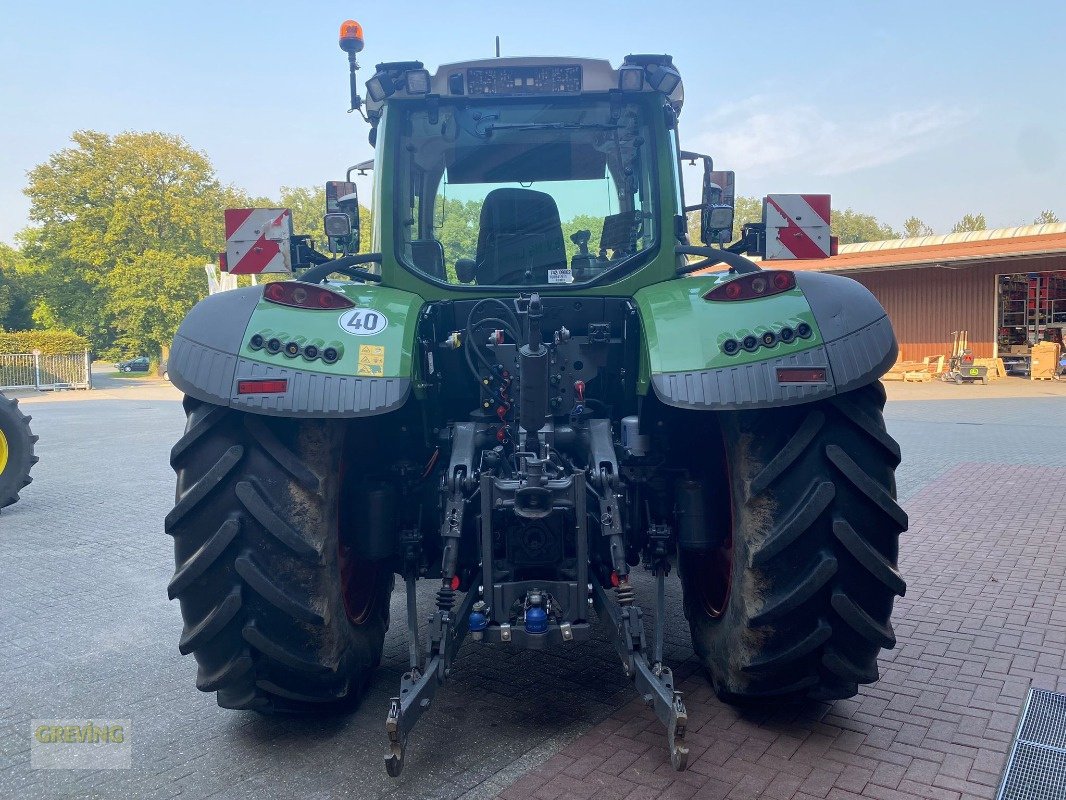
(797, 226)
(257, 240)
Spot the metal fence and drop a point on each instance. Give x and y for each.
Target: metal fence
(45, 373)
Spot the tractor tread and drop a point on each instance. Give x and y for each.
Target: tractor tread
(272, 592)
(225, 674)
(213, 622)
(843, 667)
(204, 423)
(805, 512)
(242, 698)
(21, 459)
(799, 442)
(264, 513)
(863, 552)
(795, 689)
(797, 652)
(870, 427)
(209, 552)
(815, 549)
(783, 604)
(862, 623)
(867, 485)
(255, 534)
(276, 651)
(199, 491)
(302, 697)
(285, 458)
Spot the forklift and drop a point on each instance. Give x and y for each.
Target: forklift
(961, 368)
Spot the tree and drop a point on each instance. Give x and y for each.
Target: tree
(129, 199)
(914, 227)
(14, 301)
(970, 222)
(853, 227)
(457, 223)
(152, 292)
(1046, 217)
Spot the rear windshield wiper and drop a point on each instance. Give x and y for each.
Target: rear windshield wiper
(551, 126)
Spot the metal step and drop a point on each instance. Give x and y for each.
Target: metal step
(1036, 768)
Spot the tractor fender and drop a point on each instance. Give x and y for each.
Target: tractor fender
(851, 339)
(211, 356)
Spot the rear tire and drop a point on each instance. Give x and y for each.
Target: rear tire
(16, 451)
(813, 575)
(256, 544)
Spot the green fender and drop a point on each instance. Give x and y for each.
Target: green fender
(850, 343)
(213, 352)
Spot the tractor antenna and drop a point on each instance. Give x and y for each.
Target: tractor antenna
(497, 47)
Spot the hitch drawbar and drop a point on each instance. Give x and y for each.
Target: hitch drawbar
(653, 680)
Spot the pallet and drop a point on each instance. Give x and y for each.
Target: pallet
(996, 369)
(917, 377)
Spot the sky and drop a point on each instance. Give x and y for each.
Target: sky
(935, 109)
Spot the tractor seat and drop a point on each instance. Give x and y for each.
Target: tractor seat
(519, 231)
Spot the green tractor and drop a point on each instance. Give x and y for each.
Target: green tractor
(16, 451)
(532, 387)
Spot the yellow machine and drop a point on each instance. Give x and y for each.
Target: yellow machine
(16, 451)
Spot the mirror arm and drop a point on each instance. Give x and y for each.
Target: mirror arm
(714, 255)
(302, 252)
(324, 269)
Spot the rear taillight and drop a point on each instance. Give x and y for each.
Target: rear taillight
(751, 286)
(268, 386)
(305, 295)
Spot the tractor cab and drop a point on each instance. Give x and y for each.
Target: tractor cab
(524, 172)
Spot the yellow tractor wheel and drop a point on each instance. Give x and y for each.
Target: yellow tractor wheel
(16, 451)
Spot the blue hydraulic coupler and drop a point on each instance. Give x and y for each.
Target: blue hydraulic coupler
(478, 621)
(536, 620)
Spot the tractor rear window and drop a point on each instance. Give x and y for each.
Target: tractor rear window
(524, 193)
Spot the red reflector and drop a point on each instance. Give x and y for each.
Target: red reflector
(615, 580)
(271, 386)
(305, 295)
(801, 375)
(455, 582)
(758, 284)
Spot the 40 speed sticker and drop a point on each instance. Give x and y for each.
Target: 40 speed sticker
(363, 322)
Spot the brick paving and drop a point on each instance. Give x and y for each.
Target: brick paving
(87, 632)
(982, 621)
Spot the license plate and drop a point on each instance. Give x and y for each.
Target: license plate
(975, 371)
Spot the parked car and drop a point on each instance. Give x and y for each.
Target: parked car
(133, 365)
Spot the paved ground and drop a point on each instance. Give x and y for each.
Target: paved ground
(88, 633)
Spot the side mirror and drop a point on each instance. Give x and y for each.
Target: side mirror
(342, 200)
(464, 270)
(719, 196)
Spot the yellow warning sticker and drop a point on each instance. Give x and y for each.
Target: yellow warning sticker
(371, 360)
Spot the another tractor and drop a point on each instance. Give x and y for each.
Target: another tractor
(16, 451)
(526, 403)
